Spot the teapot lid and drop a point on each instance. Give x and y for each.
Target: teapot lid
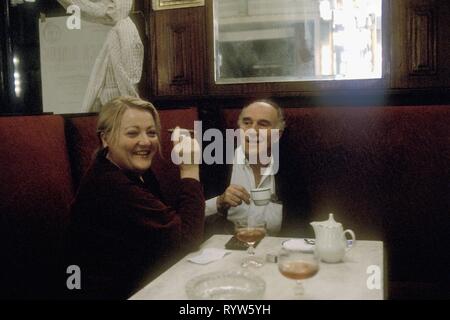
(331, 223)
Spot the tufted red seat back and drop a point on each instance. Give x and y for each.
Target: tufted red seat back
(35, 190)
(384, 172)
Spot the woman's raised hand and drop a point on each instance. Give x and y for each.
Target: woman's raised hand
(185, 153)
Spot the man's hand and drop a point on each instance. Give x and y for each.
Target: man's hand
(232, 197)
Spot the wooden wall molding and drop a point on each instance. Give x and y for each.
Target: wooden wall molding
(178, 39)
(419, 44)
(423, 40)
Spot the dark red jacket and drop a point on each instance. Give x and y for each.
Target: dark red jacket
(122, 233)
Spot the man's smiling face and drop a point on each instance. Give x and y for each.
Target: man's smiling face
(256, 121)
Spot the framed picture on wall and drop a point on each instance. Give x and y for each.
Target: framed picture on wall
(175, 4)
(67, 58)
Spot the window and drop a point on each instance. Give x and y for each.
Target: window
(297, 40)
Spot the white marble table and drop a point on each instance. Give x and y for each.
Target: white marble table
(355, 278)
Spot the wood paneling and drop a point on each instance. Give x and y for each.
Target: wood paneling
(416, 48)
(423, 39)
(179, 39)
(420, 45)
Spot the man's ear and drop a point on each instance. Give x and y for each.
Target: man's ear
(104, 140)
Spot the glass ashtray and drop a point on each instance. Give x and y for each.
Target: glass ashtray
(230, 285)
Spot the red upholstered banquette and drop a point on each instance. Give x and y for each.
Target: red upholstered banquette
(42, 159)
(383, 171)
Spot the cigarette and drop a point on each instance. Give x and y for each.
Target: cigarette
(172, 130)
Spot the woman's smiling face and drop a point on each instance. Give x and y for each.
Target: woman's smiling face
(136, 143)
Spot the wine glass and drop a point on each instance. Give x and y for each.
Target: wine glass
(298, 265)
(250, 231)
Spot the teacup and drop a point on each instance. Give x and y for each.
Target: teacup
(261, 196)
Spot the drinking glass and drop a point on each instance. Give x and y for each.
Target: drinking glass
(250, 231)
(298, 265)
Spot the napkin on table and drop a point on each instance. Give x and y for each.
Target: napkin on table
(209, 255)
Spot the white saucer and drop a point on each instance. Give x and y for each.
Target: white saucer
(298, 245)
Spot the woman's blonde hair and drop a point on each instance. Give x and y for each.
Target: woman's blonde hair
(111, 114)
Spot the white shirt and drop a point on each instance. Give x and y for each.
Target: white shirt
(242, 175)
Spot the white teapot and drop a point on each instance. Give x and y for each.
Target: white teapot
(331, 243)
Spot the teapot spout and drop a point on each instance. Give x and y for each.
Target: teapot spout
(316, 227)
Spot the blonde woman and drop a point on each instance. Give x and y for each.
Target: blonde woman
(122, 232)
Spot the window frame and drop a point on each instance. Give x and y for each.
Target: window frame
(292, 88)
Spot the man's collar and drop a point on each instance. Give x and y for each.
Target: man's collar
(242, 159)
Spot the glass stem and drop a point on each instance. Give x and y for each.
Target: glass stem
(251, 250)
(299, 289)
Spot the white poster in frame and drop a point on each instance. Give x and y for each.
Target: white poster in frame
(175, 4)
(67, 58)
